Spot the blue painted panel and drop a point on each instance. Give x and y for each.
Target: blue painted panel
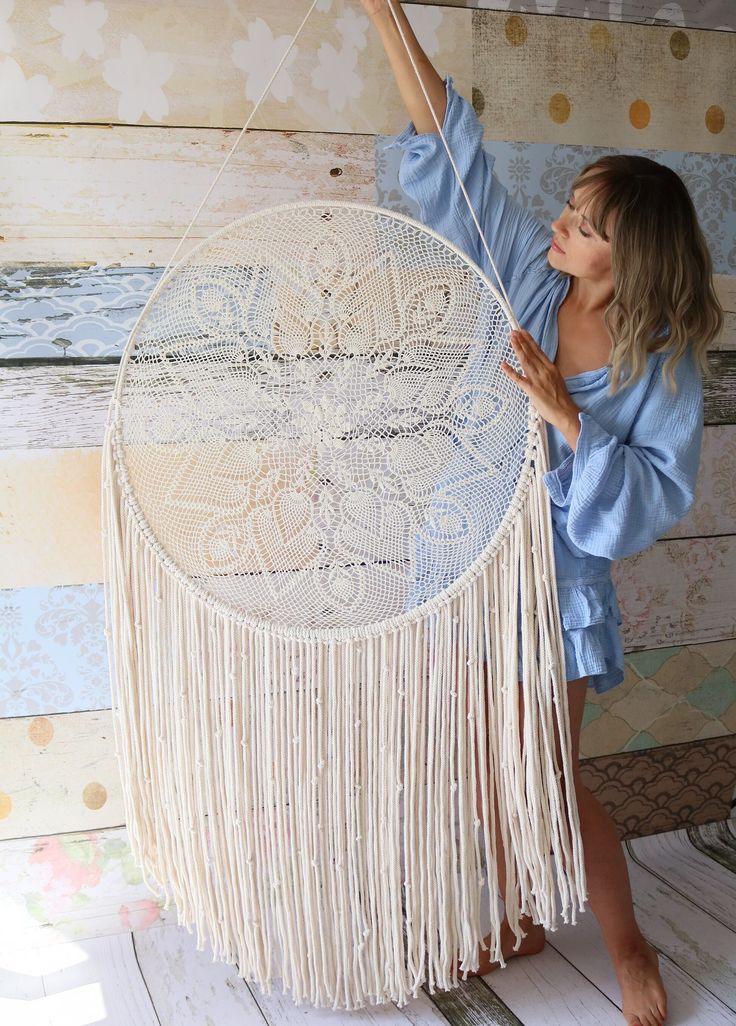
(69, 311)
(53, 656)
(539, 175)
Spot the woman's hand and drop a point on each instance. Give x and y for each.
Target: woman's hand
(545, 386)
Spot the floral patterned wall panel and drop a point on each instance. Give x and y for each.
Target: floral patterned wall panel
(207, 62)
(73, 886)
(538, 175)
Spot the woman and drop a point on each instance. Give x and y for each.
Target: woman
(619, 295)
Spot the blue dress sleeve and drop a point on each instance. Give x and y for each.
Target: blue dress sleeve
(622, 496)
(516, 237)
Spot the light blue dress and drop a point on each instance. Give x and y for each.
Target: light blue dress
(634, 471)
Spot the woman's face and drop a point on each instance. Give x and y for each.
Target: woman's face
(576, 248)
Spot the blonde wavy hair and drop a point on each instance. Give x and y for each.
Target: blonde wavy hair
(663, 299)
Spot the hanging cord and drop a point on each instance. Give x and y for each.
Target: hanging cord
(243, 130)
(513, 319)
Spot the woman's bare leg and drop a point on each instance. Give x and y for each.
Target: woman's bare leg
(644, 1000)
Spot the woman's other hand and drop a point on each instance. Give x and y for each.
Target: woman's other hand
(545, 386)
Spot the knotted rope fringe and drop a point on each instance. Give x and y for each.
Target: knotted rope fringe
(310, 806)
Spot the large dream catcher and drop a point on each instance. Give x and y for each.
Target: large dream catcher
(325, 527)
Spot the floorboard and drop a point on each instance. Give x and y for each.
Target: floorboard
(684, 890)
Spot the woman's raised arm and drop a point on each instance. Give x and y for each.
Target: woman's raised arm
(406, 79)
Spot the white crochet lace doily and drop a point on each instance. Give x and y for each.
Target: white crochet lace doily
(313, 420)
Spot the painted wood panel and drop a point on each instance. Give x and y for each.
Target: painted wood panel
(70, 887)
(58, 773)
(58, 311)
(718, 15)
(604, 84)
(538, 176)
(54, 311)
(158, 64)
(50, 529)
(676, 592)
(714, 509)
(86, 193)
(53, 659)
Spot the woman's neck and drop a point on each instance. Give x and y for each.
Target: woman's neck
(590, 296)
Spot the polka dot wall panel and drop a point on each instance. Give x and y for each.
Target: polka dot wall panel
(58, 773)
(563, 80)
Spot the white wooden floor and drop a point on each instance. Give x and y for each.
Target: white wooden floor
(684, 886)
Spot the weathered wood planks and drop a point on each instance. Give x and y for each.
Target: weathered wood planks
(98, 194)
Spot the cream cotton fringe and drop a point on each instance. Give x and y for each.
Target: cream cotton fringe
(310, 805)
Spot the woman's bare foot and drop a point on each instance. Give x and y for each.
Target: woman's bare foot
(531, 944)
(643, 997)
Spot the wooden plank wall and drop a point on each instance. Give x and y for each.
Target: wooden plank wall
(103, 168)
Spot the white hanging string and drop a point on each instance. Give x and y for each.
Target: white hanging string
(243, 130)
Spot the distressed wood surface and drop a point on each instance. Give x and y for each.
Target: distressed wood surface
(549, 988)
(675, 924)
(73, 886)
(572, 982)
(64, 404)
(719, 390)
(53, 311)
(102, 194)
(676, 592)
(715, 15)
(210, 65)
(59, 773)
(674, 857)
(188, 988)
(690, 1001)
(87, 981)
(618, 85)
(716, 840)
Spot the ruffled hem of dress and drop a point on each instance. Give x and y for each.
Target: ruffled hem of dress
(590, 633)
(591, 638)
